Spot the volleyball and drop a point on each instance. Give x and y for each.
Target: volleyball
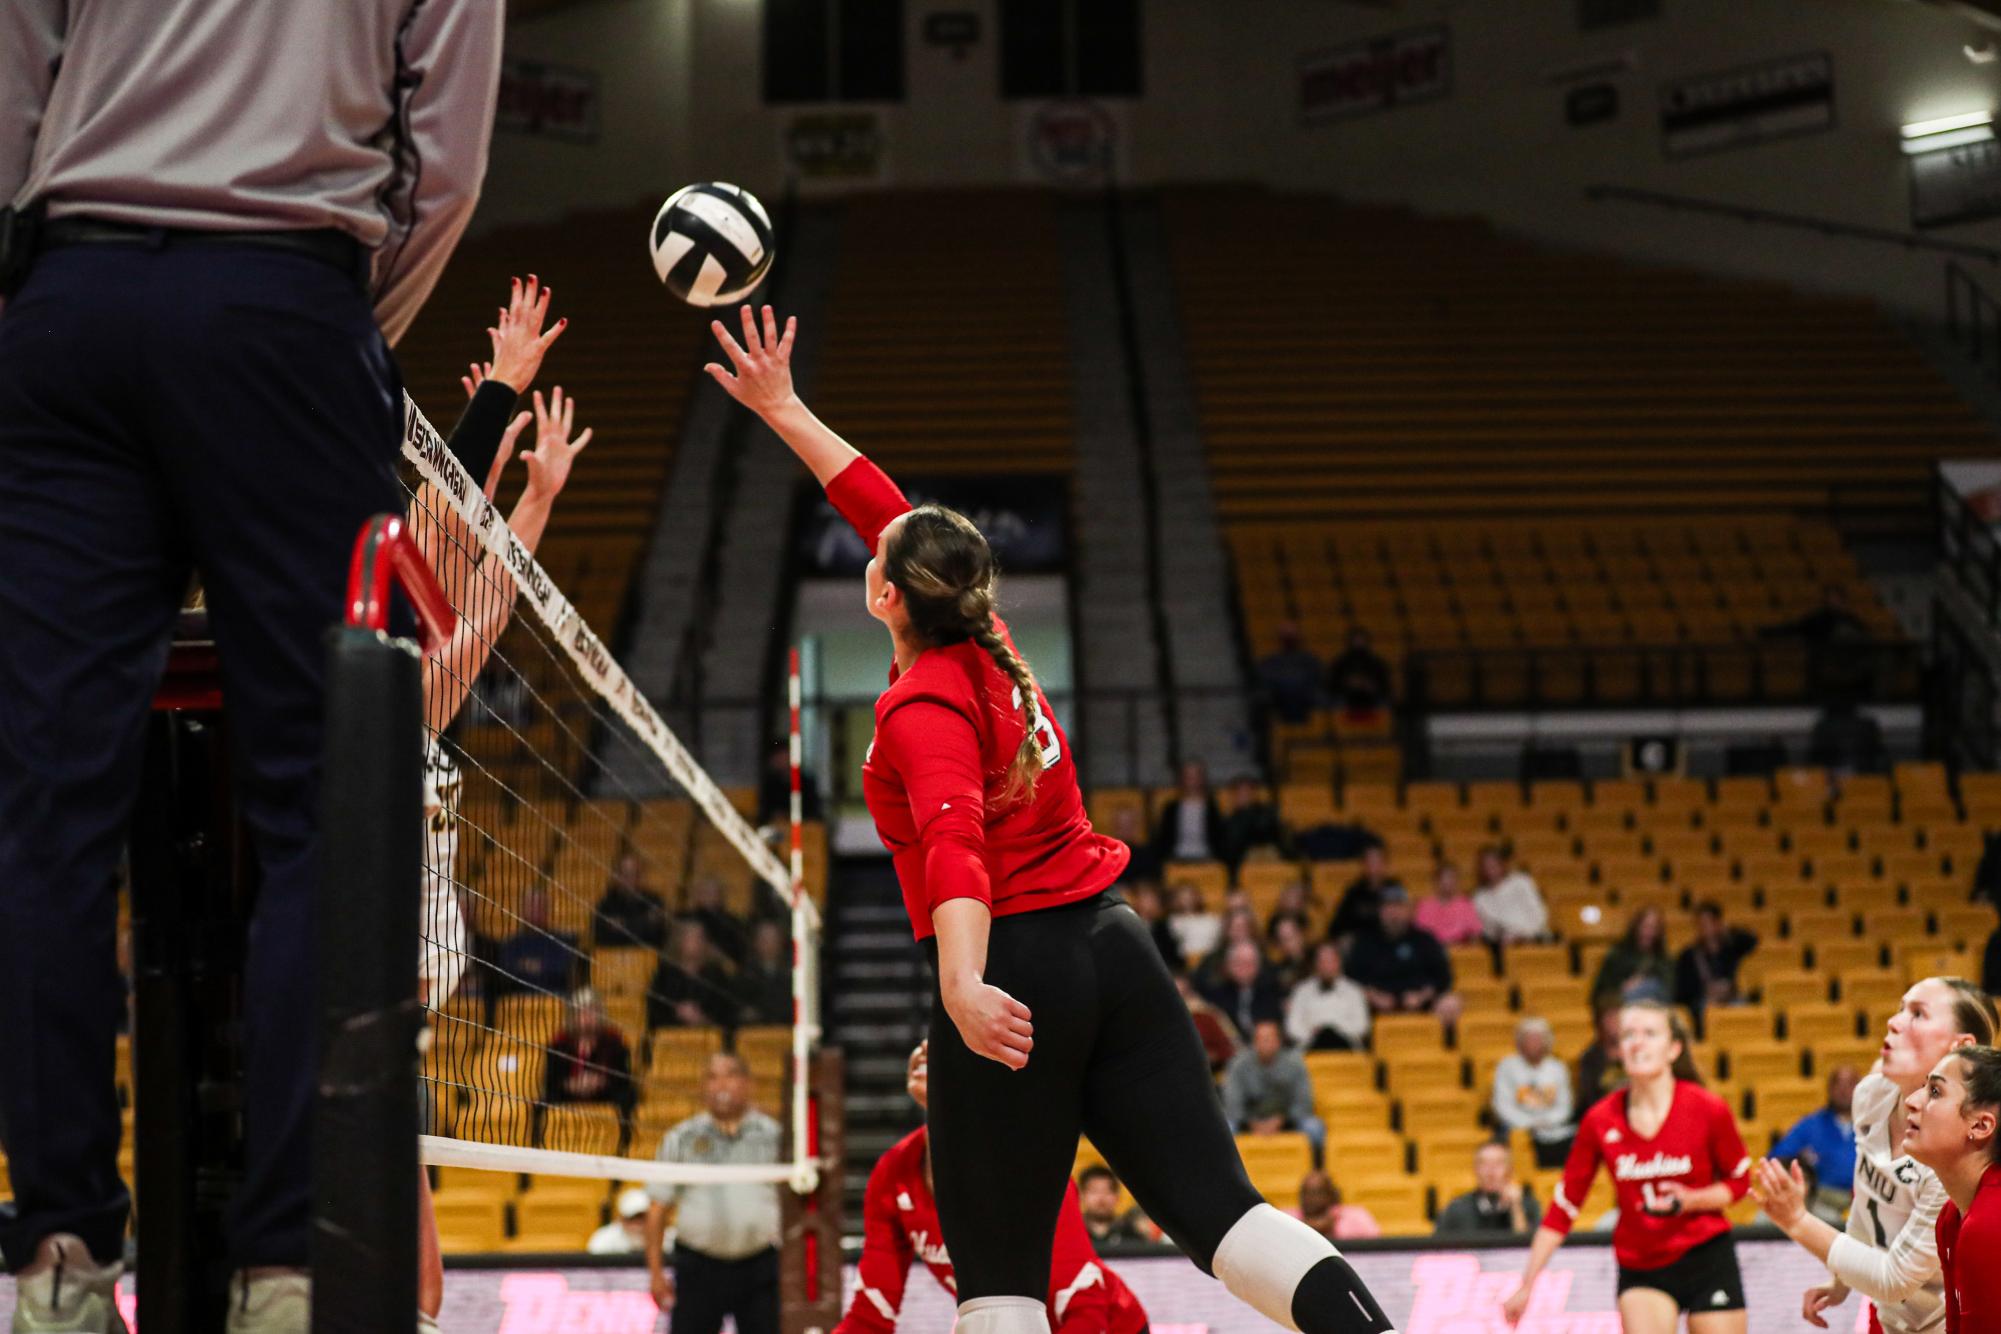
(711, 243)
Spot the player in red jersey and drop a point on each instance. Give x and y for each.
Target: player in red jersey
(901, 1225)
(1677, 1162)
(973, 789)
(1953, 1130)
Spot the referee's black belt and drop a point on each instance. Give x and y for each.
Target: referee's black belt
(326, 244)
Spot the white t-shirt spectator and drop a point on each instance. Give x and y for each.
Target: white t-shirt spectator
(1535, 1098)
(1512, 908)
(1314, 1005)
(1196, 932)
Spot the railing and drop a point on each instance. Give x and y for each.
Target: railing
(1969, 545)
(1774, 670)
(1798, 221)
(1973, 319)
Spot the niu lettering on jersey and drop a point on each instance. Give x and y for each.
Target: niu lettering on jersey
(1697, 1145)
(946, 732)
(900, 1224)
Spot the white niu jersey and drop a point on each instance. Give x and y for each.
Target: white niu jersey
(441, 928)
(1896, 1207)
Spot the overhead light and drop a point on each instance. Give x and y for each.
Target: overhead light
(1926, 136)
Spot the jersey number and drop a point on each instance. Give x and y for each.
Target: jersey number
(1655, 1202)
(1045, 734)
(1876, 1221)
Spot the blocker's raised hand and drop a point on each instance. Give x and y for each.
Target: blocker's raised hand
(763, 361)
(549, 462)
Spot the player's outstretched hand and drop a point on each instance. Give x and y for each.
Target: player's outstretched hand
(1517, 1303)
(763, 362)
(519, 341)
(994, 1024)
(1820, 1299)
(1781, 1189)
(549, 462)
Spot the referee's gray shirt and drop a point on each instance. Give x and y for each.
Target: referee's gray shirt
(724, 1222)
(370, 116)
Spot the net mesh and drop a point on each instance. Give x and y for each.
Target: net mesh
(599, 918)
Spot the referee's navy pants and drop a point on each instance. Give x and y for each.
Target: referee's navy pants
(227, 409)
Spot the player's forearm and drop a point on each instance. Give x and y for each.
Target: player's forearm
(1812, 1233)
(823, 452)
(1544, 1246)
(962, 926)
(530, 519)
(1708, 1199)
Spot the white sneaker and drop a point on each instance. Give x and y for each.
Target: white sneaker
(426, 1324)
(270, 1301)
(64, 1289)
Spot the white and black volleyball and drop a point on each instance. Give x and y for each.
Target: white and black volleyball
(711, 244)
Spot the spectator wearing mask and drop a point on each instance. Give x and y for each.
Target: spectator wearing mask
(1248, 993)
(1498, 1202)
(726, 932)
(1328, 1012)
(1706, 972)
(1098, 1201)
(1128, 828)
(1359, 680)
(1448, 914)
(1510, 906)
(1600, 1067)
(1360, 905)
(1266, 1089)
(1190, 827)
(1532, 1092)
(1403, 968)
(1291, 962)
(1823, 1143)
(691, 987)
(1638, 967)
(1212, 1026)
(630, 913)
(1146, 901)
(1196, 930)
(1290, 677)
(1320, 1208)
(1252, 823)
(764, 984)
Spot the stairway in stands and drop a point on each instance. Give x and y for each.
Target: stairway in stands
(878, 1008)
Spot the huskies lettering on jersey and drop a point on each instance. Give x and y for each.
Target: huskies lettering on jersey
(1630, 1167)
(929, 1251)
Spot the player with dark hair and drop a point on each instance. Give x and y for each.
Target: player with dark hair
(974, 791)
(1677, 1162)
(1953, 1131)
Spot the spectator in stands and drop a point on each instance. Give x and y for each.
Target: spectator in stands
(774, 789)
(1601, 1067)
(1218, 1035)
(1359, 908)
(1328, 1012)
(1823, 1143)
(1532, 1092)
(690, 987)
(1252, 823)
(625, 1234)
(588, 1061)
(630, 913)
(1359, 680)
(764, 983)
(1498, 1202)
(1190, 828)
(1320, 1208)
(1129, 829)
(1248, 993)
(1266, 1089)
(726, 931)
(1706, 972)
(1847, 741)
(1144, 896)
(1098, 1201)
(536, 957)
(1239, 924)
(1448, 914)
(1290, 677)
(1510, 906)
(1294, 904)
(1402, 967)
(1196, 929)
(1638, 967)
(1291, 961)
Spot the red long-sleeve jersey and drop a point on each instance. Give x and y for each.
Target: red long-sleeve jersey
(1697, 1145)
(900, 1223)
(1969, 1255)
(945, 733)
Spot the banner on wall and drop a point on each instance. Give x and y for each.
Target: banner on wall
(1400, 69)
(1023, 516)
(1956, 184)
(1754, 104)
(834, 147)
(1072, 141)
(552, 101)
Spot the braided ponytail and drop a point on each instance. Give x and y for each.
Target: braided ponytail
(1027, 764)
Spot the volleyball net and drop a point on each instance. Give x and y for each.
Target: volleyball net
(600, 918)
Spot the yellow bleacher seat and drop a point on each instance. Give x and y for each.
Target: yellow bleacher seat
(1821, 924)
(1783, 988)
(543, 1243)
(1396, 1201)
(1438, 1108)
(1969, 924)
(560, 1215)
(1730, 1025)
(1276, 1164)
(477, 1219)
(1407, 1033)
(1482, 995)
(1781, 1102)
(1550, 995)
(1932, 957)
(1850, 955)
(475, 1181)
(1757, 1062)
(1522, 963)
(581, 1128)
(1448, 1151)
(1486, 1030)
(1888, 925)
(1409, 1072)
(1360, 1149)
(1210, 879)
(1807, 1025)
(1858, 1052)
(1876, 991)
(683, 1050)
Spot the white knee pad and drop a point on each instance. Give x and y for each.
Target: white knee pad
(1264, 1255)
(1003, 1315)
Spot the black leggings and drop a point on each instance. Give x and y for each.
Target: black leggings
(1116, 1058)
